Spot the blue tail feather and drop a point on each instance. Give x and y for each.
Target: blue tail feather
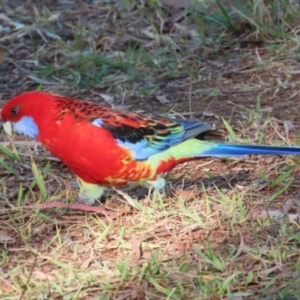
(223, 150)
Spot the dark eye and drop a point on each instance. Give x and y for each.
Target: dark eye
(14, 110)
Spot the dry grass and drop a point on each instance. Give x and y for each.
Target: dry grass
(224, 228)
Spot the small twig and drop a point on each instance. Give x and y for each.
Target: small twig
(76, 206)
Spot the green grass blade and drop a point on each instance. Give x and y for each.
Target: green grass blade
(39, 180)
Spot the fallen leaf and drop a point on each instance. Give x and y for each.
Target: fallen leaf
(5, 287)
(107, 98)
(187, 195)
(86, 263)
(162, 99)
(43, 276)
(137, 248)
(5, 18)
(288, 126)
(287, 206)
(5, 237)
(276, 213)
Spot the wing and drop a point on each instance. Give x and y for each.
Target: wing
(153, 135)
(146, 136)
(142, 135)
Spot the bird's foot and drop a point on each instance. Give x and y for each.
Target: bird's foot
(155, 187)
(89, 192)
(158, 184)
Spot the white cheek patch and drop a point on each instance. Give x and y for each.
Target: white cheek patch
(26, 126)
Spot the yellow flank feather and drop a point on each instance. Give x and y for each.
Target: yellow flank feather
(187, 149)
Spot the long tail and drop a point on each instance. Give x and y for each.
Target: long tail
(222, 150)
(195, 149)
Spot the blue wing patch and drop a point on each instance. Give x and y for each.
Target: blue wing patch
(141, 150)
(98, 122)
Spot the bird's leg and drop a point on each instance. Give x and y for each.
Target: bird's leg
(155, 185)
(89, 192)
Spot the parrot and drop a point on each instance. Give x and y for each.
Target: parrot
(106, 147)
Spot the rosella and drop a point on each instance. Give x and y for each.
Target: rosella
(109, 147)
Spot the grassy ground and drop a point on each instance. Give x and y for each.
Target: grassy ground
(224, 229)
